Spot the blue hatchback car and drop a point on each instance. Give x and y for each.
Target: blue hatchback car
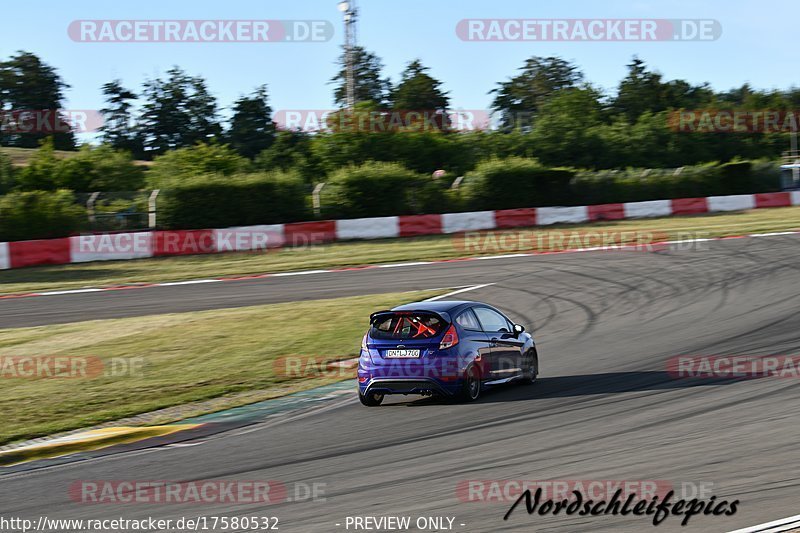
(446, 348)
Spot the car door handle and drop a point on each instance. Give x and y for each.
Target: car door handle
(505, 342)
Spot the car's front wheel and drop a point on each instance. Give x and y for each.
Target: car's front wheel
(371, 399)
(532, 370)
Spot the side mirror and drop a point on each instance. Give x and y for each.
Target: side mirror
(518, 329)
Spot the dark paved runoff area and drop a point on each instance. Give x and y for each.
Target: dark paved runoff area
(604, 408)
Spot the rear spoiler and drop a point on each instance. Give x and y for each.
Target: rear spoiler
(444, 317)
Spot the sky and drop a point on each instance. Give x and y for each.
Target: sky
(758, 44)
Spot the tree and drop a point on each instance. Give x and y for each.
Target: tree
(737, 96)
(681, 94)
(6, 174)
(252, 130)
(178, 112)
(99, 168)
(519, 99)
(118, 127)
(643, 91)
(639, 91)
(39, 174)
(418, 91)
(564, 131)
(369, 85)
(292, 150)
(27, 84)
(92, 168)
(178, 167)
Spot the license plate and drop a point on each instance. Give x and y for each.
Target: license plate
(402, 354)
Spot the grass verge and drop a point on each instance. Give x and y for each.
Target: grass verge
(180, 358)
(347, 254)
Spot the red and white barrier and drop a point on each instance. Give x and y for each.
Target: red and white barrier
(249, 238)
(653, 208)
(773, 199)
(368, 228)
(107, 247)
(689, 206)
(473, 221)
(738, 202)
(515, 218)
(413, 225)
(43, 252)
(309, 233)
(123, 246)
(5, 258)
(561, 215)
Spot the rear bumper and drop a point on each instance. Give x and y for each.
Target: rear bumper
(409, 386)
(441, 374)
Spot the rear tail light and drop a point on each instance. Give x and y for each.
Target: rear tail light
(364, 343)
(450, 338)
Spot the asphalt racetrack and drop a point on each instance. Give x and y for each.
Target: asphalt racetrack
(606, 323)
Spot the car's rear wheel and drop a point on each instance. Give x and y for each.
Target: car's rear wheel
(471, 385)
(532, 370)
(371, 399)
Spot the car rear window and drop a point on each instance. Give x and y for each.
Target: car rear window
(406, 326)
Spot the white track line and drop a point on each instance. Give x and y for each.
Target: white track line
(396, 265)
(784, 524)
(301, 273)
(190, 282)
(73, 291)
(459, 291)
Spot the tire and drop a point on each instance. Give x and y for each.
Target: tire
(371, 399)
(471, 387)
(530, 374)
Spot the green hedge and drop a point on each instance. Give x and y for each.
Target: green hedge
(519, 182)
(6, 174)
(243, 200)
(99, 168)
(39, 215)
(516, 182)
(377, 189)
(91, 169)
(634, 185)
(184, 165)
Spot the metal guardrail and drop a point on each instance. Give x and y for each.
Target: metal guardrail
(119, 211)
(790, 167)
(790, 157)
